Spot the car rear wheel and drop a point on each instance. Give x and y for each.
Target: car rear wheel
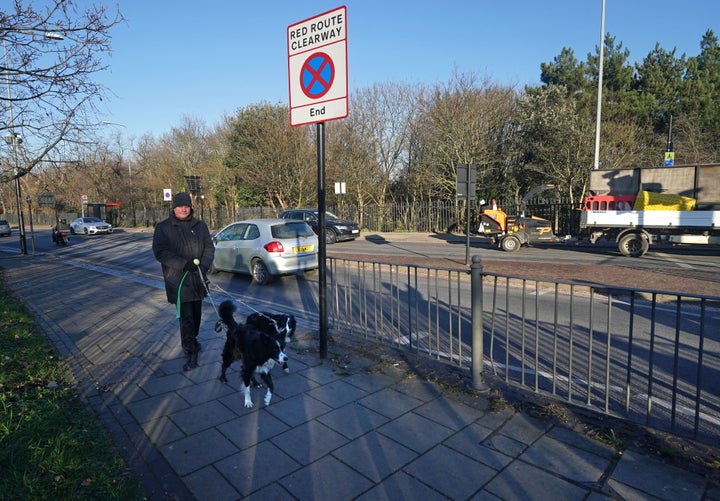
(260, 273)
(330, 236)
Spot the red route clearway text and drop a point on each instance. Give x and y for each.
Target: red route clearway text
(318, 32)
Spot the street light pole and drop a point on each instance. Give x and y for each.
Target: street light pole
(14, 138)
(596, 163)
(32, 230)
(18, 197)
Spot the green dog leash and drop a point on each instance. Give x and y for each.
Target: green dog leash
(196, 262)
(177, 303)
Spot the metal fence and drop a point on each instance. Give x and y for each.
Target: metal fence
(651, 357)
(451, 216)
(440, 216)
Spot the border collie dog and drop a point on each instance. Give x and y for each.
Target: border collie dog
(282, 326)
(258, 351)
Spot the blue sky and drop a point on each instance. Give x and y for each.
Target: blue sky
(176, 58)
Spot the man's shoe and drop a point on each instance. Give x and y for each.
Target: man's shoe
(192, 363)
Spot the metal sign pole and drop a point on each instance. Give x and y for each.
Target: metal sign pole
(466, 177)
(467, 217)
(318, 85)
(322, 286)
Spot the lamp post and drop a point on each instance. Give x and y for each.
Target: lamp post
(596, 163)
(28, 200)
(14, 139)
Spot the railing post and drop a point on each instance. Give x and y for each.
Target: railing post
(476, 298)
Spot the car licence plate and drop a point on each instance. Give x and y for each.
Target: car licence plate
(304, 248)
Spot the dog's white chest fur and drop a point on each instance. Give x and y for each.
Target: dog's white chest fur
(266, 367)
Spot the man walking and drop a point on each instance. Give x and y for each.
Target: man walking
(183, 246)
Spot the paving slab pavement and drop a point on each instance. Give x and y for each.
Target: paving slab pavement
(343, 427)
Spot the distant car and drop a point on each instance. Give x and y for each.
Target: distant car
(5, 230)
(265, 248)
(90, 226)
(336, 229)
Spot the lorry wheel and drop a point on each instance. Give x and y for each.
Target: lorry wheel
(633, 245)
(510, 244)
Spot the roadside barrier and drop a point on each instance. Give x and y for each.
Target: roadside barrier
(651, 357)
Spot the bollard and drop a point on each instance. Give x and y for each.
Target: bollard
(476, 300)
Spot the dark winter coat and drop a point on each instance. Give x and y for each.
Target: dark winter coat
(175, 242)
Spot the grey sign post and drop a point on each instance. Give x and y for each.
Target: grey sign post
(318, 84)
(465, 189)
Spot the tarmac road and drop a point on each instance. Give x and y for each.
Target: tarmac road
(343, 427)
(453, 247)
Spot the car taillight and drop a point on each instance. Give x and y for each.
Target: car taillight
(274, 247)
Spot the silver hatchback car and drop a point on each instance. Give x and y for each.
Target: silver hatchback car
(265, 248)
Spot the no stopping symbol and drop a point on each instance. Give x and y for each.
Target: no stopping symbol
(317, 75)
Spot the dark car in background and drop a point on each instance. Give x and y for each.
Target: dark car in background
(336, 229)
(5, 230)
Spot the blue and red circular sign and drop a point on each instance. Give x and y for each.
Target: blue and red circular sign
(317, 75)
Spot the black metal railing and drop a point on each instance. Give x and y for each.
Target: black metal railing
(428, 217)
(648, 356)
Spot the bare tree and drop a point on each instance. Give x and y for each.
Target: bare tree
(370, 147)
(556, 139)
(694, 143)
(187, 150)
(51, 50)
(269, 157)
(466, 121)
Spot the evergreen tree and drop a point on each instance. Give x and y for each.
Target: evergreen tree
(701, 98)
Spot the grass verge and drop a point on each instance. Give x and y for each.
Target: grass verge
(51, 445)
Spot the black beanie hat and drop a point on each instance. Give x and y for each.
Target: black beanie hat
(181, 198)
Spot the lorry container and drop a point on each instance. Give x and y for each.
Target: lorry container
(638, 207)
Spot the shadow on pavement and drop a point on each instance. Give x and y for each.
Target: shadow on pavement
(451, 238)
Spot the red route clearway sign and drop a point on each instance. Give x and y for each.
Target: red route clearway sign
(317, 68)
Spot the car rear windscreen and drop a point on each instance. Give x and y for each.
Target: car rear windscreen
(291, 230)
